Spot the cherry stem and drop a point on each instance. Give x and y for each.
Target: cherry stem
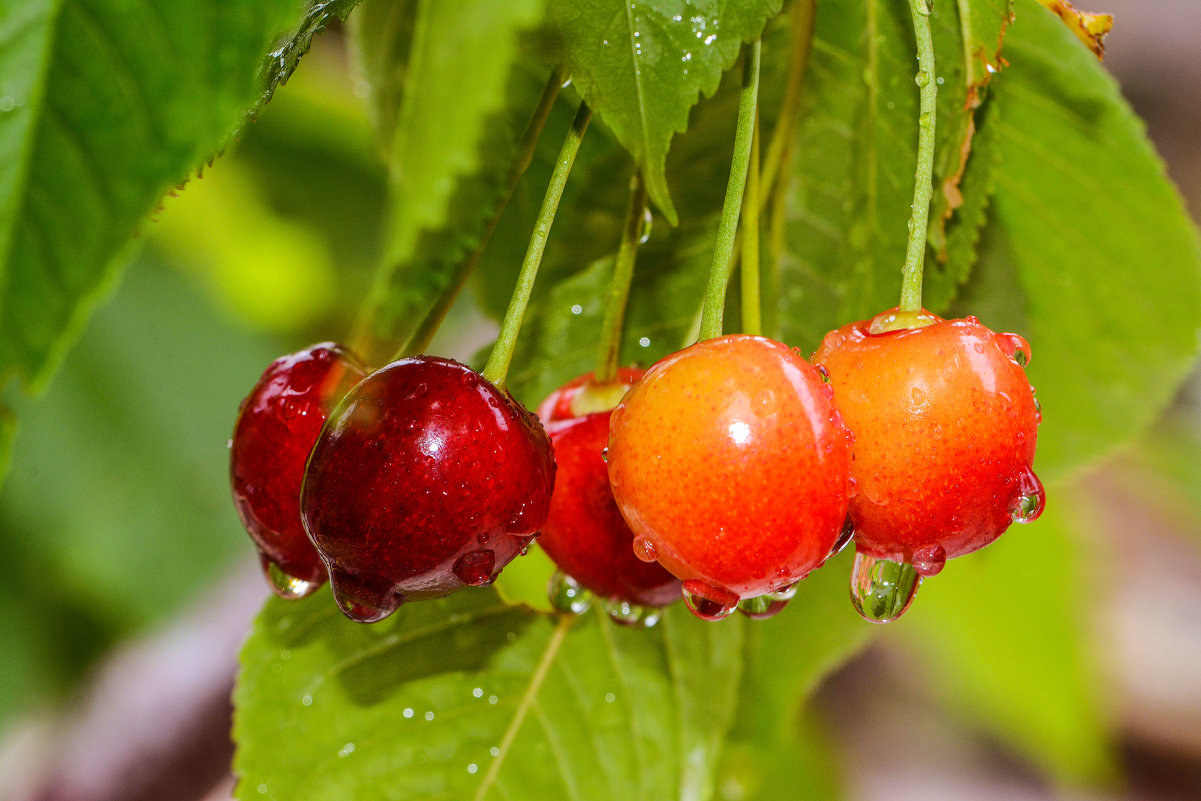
(432, 321)
(915, 253)
(607, 358)
(497, 367)
(723, 249)
(752, 318)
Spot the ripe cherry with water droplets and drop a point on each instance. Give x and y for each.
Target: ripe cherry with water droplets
(426, 479)
(945, 424)
(730, 463)
(277, 425)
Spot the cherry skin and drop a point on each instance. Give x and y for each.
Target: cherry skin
(585, 535)
(425, 479)
(730, 463)
(945, 423)
(277, 425)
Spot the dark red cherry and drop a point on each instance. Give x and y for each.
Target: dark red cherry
(277, 426)
(585, 534)
(425, 479)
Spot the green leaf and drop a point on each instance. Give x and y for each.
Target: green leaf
(451, 96)
(852, 178)
(112, 104)
(1005, 633)
(1097, 243)
(467, 697)
(643, 65)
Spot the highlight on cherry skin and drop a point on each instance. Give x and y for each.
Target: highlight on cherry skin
(277, 424)
(730, 463)
(945, 424)
(585, 535)
(426, 479)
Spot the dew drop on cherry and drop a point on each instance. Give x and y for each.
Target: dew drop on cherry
(1030, 499)
(708, 602)
(1015, 347)
(475, 567)
(644, 549)
(631, 615)
(566, 595)
(358, 602)
(844, 538)
(287, 587)
(761, 607)
(881, 589)
(929, 560)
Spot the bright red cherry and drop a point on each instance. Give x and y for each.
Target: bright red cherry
(730, 463)
(945, 424)
(585, 534)
(425, 479)
(277, 426)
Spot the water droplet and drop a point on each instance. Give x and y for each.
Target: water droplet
(605, 454)
(708, 602)
(478, 692)
(475, 568)
(844, 538)
(359, 603)
(419, 391)
(307, 700)
(1015, 347)
(926, 120)
(929, 560)
(881, 589)
(939, 80)
(472, 768)
(647, 218)
(346, 750)
(1038, 407)
(287, 587)
(786, 593)
(471, 380)
(761, 607)
(408, 712)
(1030, 500)
(429, 715)
(577, 309)
(922, 78)
(632, 615)
(644, 549)
(645, 342)
(566, 594)
(494, 751)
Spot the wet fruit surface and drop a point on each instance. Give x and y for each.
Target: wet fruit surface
(277, 425)
(585, 534)
(426, 479)
(731, 462)
(945, 423)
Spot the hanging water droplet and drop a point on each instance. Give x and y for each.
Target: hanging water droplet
(922, 78)
(929, 560)
(647, 220)
(786, 593)
(926, 119)
(1038, 407)
(566, 594)
(761, 607)
(881, 589)
(708, 602)
(359, 603)
(287, 587)
(633, 615)
(475, 568)
(1030, 500)
(644, 549)
(1015, 347)
(844, 538)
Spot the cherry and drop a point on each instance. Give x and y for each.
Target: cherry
(945, 424)
(730, 463)
(276, 428)
(426, 479)
(585, 534)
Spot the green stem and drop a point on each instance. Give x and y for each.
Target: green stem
(420, 339)
(752, 318)
(609, 354)
(723, 250)
(782, 138)
(911, 273)
(497, 367)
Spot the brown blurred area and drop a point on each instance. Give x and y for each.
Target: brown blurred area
(153, 722)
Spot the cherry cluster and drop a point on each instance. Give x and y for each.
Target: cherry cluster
(724, 474)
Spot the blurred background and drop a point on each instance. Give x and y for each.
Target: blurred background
(131, 583)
